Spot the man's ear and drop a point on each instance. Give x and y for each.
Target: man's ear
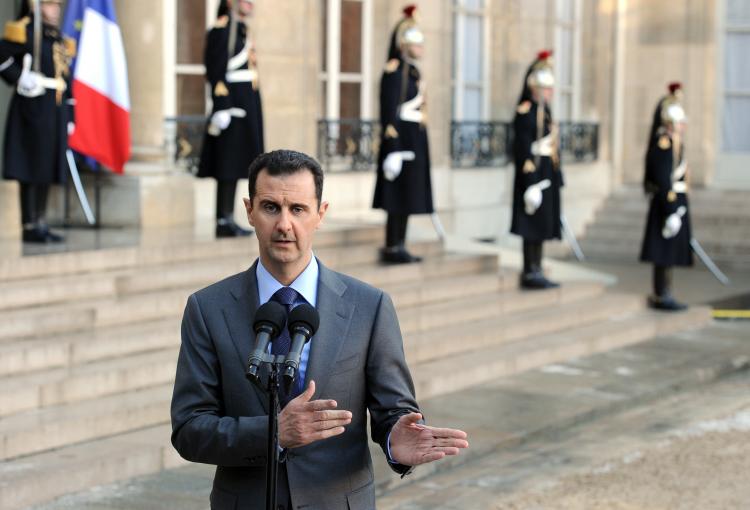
(322, 210)
(249, 210)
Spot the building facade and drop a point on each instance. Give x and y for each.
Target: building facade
(320, 63)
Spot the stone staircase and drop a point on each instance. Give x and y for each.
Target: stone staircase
(721, 222)
(89, 343)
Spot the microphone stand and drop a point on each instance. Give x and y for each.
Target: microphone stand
(274, 362)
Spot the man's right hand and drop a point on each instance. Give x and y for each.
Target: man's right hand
(30, 82)
(304, 421)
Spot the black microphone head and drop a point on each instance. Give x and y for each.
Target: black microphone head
(270, 314)
(304, 315)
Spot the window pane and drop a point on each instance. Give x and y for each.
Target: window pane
(473, 4)
(565, 10)
(349, 101)
(564, 110)
(564, 58)
(472, 104)
(737, 62)
(738, 12)
(472, 55)
(191, 31)
(191, 94)
(351, 36)
(736, 124)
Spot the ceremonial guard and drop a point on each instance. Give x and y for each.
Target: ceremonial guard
(35, 59)
(666, 242)
(403, 185)
(538, 176)
(234, 133)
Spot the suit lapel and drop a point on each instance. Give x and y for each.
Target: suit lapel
(238, 314)
(335, 316)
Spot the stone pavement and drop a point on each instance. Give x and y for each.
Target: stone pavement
(690, 451)
(501, 417)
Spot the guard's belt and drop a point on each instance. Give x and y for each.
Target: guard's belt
(680, 187)
(242, 76)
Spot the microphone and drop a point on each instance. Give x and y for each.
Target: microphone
(303, 323)
(269, 319)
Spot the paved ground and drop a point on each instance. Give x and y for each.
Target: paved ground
(574, 428)
(689, 451)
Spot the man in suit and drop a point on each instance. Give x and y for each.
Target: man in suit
(354, 364)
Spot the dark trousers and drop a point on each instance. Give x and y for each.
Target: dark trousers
(33, 203)
(225, 192)
(662, 280)
(395, 230)
(532, 256)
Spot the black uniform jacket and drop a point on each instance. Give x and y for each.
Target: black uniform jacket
(530, 169)
(666, 181)
(36, 133)
(228, 156)
(402, 120)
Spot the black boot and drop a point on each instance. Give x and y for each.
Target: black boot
(33, 234)
(225, 225)
(662, 298)
(228, 228)
(533, 277)
(395, 236)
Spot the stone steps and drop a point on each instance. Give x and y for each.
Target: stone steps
(81, 466)
(473, 368)
(557, 311)
(54, 427)
(24, 355)
(133, 357)
(48, 320)
(720, 220)
(162, 250)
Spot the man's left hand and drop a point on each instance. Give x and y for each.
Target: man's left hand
(413, 443)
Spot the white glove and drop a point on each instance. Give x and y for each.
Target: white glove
(30, 82)
(394, 162)
(220, 120)
(673, 223)
(71, 128)
(532, 197)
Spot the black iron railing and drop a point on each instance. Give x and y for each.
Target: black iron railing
(184, 140)
(348, 145)
(579, 141)
(480, 144)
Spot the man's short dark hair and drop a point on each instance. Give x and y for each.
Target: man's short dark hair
(285, 162)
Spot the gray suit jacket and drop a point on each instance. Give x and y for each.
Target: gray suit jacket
(218, 417)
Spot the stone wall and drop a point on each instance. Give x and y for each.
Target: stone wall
(670, 41)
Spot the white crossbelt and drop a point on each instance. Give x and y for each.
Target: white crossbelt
(410, 111)
(5, 65)
(543, 146)
(680, 171)
(242, 75)
(239, 59)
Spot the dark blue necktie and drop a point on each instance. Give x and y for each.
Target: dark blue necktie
(281, 345)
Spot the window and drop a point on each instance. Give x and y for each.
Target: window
(567, 59)
(186, 22)
(735, 124)
(471, 60)
(345, 77)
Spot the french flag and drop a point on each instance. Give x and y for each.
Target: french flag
(100, 83)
